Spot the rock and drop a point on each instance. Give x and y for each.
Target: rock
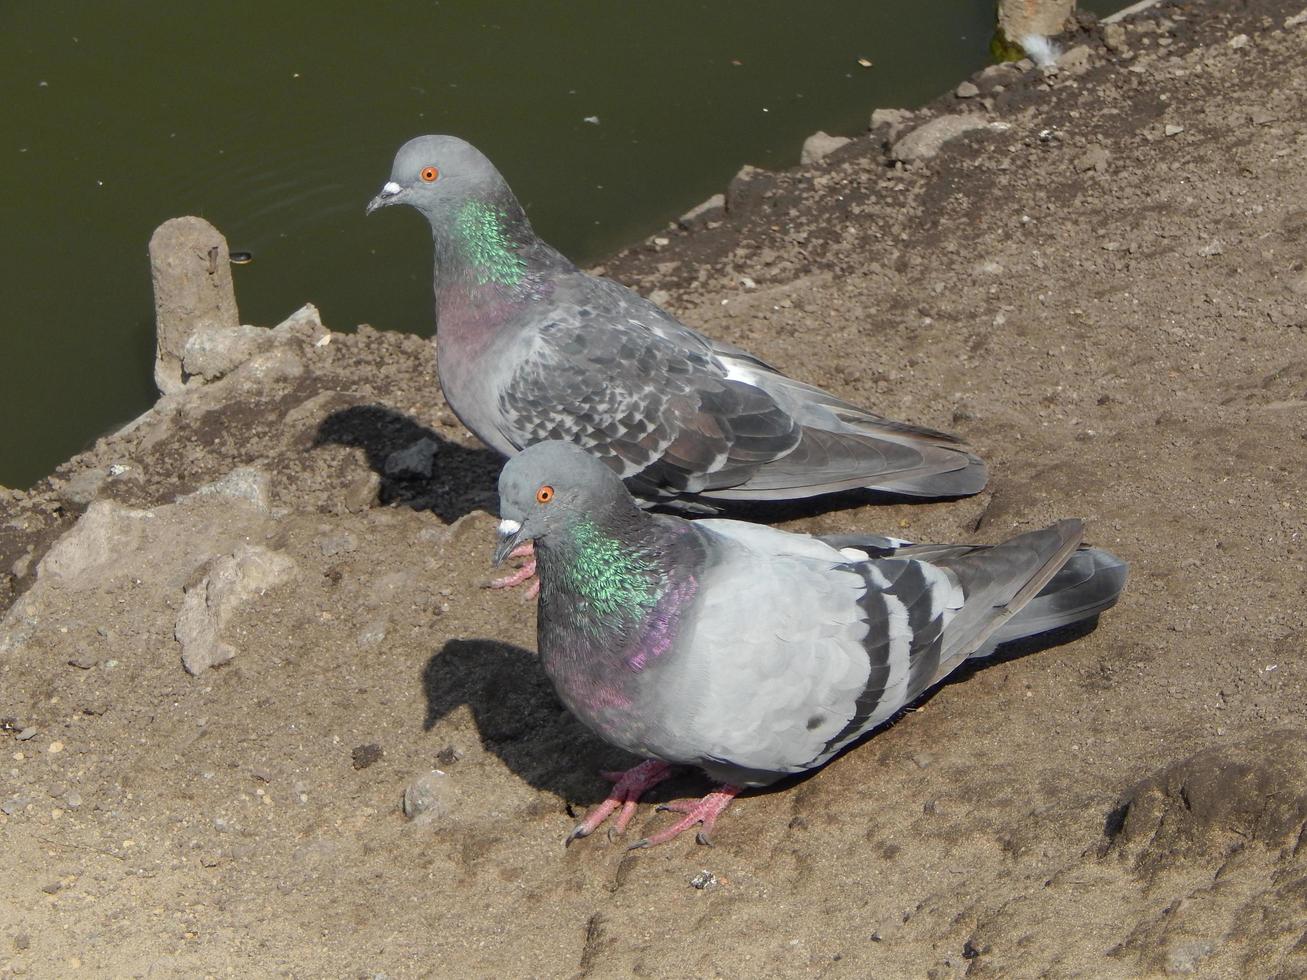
(1239, 41)
(96, 542)
(1114, 38)
(22, 941)
(361, 494)
(1296, 20)
(926, 140)
(709, 210)
(253, 486)
(229, 582)
(191, 269)
(212, 352)
(372, 634)
(83, 486)
(745, 188)
(364, 756)
(414, 461)
(967, 90)
(819, 145)
(1017, 19)
(1095, 158)
(893, 121)
(304, 324)
(1171, 129)
(426, 798)
(26, 734)
(1075, 59)
(704, 879)
(337, 544)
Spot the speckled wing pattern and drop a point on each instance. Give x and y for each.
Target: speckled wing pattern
(652, 407)
(675, 413)
(830, 645)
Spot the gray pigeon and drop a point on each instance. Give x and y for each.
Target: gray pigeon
(531, 348)
(751, 652)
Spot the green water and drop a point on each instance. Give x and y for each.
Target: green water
(278, 122)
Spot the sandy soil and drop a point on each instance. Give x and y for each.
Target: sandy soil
(1108, 297)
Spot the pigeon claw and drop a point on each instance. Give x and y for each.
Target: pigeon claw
(628, 787)
(704, 811)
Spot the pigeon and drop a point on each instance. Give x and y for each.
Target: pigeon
(530, 348)
(754, 653)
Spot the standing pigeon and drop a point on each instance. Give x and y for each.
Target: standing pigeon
(751, 652)
(531, 348)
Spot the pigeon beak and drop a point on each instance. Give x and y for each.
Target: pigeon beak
(511, 534)
(389, 194)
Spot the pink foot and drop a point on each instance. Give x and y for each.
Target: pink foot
(524, 574)
(630, 786)
(705, 811)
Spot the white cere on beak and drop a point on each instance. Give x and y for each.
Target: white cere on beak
(391, 188)
(507, 527)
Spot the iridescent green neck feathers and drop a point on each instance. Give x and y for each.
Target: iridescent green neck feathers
(485, 246)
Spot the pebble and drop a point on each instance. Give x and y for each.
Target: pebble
(1238, 41)
(26, 734)
(704, 879)
(967, 90)
(1173, 130)
(337, 544)
(83, 661)
(55, 747)
(426, 796)
(22, 941)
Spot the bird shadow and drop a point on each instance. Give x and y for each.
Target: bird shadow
(461, 479)
(520, 719)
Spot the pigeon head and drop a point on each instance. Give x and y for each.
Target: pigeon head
(435, 173)
(551, 488)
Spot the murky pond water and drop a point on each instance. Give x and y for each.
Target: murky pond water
(278, 122)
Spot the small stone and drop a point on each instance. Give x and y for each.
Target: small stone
(1173, 130)
(253, 486)
(26, 734)
(923, 760)
(709, 210)
(1075, 59)
(1095, 158)
(704, 879)
(448, 755)
(73, 800)
(22, 942)
(55, 747)
(1238, 41)
(1114, 38)
(372, 634)
(414, 462)
(15, 805)
(425, 798)
(1296, 19)
(927, 140)
(366, 755)
(83, 661)
(52, 888)
(819, 145)
(337, 544)
(967, 90)
(361, 494)
(83, 487)
(889, 124)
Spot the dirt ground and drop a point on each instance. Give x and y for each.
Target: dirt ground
(1106, 295)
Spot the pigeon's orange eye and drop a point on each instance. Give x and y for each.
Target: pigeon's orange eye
(429, 174)
(545, 494)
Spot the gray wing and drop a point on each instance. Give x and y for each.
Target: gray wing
(674, 412)
(795, 650)
(1090, 582)
(655, 409)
